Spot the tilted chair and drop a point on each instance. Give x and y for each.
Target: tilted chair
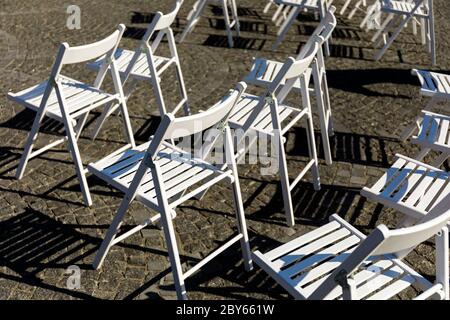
(69, 101)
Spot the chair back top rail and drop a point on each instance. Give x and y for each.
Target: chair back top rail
(79, 54)
(174, 128)
(324, 29)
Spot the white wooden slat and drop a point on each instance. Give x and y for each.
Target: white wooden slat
(312, 247)
(389, 175)
(321, 270)
(421, 188)
(393, 289)
(402, 176)
(379, 281)
(359, 277)
(243, 110)
(433, 129)
(424, 128)
(444, 192)
(266, 123)
(409, 185)
(302, 240)
(364, 275)
(320, 256)
(433, 191)
(443, 131)
(443, 85)
(107, 162)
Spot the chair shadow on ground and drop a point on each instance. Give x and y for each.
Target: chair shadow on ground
(354, 148)
(356, 81)
(31, 242)
(227, 266)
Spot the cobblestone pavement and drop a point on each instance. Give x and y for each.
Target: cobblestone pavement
(44, 227)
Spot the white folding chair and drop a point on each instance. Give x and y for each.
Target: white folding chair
(199, 6)
(336, 261)
(317, 6)
(280, 10)
(411, 187)
(264, 71)
(269, 117)
(432, 128)
(69, 101)
(162, 176)
(144, 65)
(399, 14)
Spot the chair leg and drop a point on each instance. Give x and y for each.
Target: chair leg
(286, 26)
(80, 125)
(267, 7)
(391, 39)
(73, 146)
(193, 17)
(442, 261)
(107, 111)
(313, 153)
(234, 13)
(179, 73)
(32, 136)
(111, 233)
(324, 126)
(238, 204)
(284, 177)
(383, 27)
(226, 17)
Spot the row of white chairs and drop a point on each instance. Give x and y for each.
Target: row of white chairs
(162, 175)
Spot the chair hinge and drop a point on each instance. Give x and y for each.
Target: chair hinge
(269, 98)
(221, 126)
(148, 161)
(341, 279)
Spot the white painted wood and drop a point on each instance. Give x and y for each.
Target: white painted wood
(264, 71)
(158, 174)
(319, 7)
(338, 262)
(195, 14)
(410, 186)
(268, 115)
(69, 101)
(143, 64)
(400, 13)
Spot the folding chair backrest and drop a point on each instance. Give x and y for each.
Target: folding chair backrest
(165, 21)
(174, 128)
(161, 22)
(402, 240)
(324, 30)
(92, 51)
(292, 70)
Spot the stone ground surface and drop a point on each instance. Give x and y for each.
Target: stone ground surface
(44, 227)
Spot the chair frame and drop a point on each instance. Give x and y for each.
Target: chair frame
(292, 71)
(158, 29)
(393, 245)
(75, 55)
(320, 6)
(320, 89)
(427, 24)
(170, 129)
(195, 14)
